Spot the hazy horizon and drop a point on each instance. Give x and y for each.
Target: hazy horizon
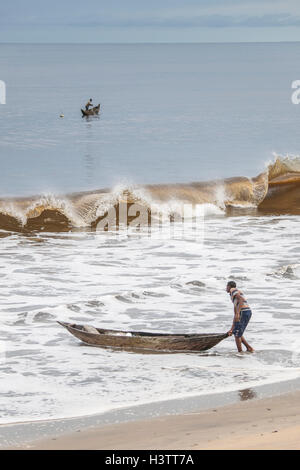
(143, 43)
(164, 21)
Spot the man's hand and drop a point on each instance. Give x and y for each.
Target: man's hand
(230, 332)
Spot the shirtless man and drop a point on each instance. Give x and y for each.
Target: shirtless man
(242, 315)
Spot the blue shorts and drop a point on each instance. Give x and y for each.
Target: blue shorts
(240, 326)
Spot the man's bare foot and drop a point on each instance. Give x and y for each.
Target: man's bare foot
(250, 350)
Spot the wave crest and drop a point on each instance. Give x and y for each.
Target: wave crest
(276, 190)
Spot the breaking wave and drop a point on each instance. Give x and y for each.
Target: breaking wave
(274, 191)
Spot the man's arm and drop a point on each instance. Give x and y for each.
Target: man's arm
(240, 297)
(233, 322)
(237, 310)
(237, 307)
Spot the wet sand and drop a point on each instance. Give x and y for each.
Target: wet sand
(269, 423)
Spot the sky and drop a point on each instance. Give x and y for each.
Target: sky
(139, 21)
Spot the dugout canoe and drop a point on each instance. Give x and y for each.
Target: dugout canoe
(91, 112)
(140, 340)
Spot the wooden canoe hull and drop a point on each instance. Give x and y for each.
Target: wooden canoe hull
(145, 341)
(91, 112)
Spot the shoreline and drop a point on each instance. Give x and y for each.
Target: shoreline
(109, 428)
(265, 424)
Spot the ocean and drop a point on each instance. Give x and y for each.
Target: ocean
(198, 144)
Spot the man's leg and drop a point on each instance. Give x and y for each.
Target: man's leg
(249, 348)
(238, 342)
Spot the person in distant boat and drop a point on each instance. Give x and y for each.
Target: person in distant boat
(242, 315)
(89, 104)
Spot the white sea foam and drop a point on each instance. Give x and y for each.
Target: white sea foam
(132, 282)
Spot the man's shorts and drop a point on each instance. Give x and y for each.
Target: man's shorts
(240, 326)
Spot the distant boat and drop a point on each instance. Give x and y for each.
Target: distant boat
(138, 340)
(91, 112)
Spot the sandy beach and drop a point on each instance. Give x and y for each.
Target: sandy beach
(270, 423)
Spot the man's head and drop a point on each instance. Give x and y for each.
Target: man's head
(230, 285)
(91, 100)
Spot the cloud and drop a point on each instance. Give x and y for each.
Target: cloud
(159, 13)
(207, 21)
(141, 20)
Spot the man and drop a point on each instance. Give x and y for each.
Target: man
(89, 104)
(242, 315)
